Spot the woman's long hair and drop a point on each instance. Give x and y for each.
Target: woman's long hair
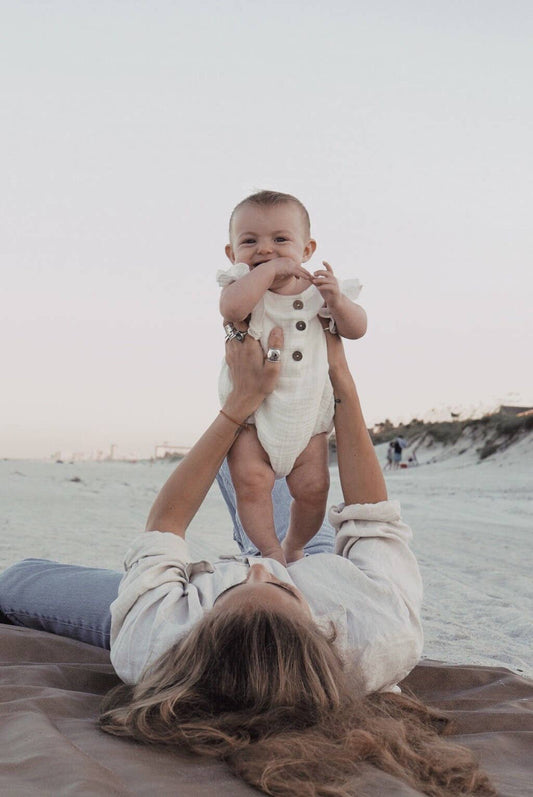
(271, 696)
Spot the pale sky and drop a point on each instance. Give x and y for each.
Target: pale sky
(129, 130)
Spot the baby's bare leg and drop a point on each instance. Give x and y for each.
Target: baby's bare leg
(253, 479)
(308, 483)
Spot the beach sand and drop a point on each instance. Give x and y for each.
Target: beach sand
(472, 521)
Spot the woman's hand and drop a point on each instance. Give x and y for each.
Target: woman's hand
(253, 375)
(336, 355)
(338, 365)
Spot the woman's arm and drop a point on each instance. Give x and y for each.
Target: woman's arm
(360, 473)
(253, 378)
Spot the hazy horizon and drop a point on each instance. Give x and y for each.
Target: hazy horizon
(156, 449)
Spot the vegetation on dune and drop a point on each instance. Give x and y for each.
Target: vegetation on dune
(493, 432)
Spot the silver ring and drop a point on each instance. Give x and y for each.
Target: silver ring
(234, 334)
(273, 355)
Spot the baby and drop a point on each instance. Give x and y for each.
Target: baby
(267, 286)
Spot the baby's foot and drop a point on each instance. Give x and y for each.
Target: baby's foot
(275, 552)
(292, 554)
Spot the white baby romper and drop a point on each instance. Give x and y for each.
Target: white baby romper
(302, 403)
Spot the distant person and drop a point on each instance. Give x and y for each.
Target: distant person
(397, 453)
(399, 444)
(267, 286)
(390, 456)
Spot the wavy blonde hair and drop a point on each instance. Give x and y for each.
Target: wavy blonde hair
(272, 697)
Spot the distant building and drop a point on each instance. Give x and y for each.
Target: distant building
(509, 409)
(166, 451)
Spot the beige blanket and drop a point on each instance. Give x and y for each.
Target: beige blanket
(49, 743)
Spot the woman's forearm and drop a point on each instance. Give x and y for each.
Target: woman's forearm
(360, 473)
(184, 491)
(253, 378)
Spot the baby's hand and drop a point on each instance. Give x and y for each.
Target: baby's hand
(327, 285)
(285, 267)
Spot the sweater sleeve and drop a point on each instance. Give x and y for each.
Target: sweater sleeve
(376, 541)
(154, 606)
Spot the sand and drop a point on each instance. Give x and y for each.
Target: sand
(473, 526)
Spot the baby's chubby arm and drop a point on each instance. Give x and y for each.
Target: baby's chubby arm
(240, 297)
(350, 318)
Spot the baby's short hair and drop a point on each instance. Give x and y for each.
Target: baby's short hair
(268, 199)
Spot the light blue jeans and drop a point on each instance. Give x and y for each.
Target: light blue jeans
(74, 601)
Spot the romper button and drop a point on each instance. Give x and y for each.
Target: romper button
(297, 355)
(301, 325)
(298, 304)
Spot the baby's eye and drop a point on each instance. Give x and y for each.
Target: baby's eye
(281, 239)
(248, 241)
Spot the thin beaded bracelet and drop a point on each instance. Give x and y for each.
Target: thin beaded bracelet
(241, 425)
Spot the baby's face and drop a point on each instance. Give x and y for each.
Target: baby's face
(259, 234)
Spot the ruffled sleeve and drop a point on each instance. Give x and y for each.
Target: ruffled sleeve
(350, 288)
(231, 274)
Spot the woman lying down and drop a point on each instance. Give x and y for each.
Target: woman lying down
(287, 673)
